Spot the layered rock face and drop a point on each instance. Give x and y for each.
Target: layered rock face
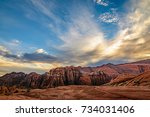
(99, 78)
(109, 73)
(12, 79)
(55, 77)
(120, 79)
(31, 80)
(142, 79)
(134, 68)
(66, 75)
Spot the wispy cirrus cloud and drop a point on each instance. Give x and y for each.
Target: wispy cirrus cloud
(45, 7)
(48, 12)
(83, 41)
(81, 36)
(132, 40)
(12, 42)
(12, 45)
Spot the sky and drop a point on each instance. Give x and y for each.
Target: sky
(37, 35)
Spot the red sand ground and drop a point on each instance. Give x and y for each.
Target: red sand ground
(84, 93)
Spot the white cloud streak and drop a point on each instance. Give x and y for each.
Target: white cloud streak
(101, 2)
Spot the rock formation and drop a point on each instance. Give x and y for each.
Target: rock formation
(55, 77)
(131, 80)
(99, 78)
(106, 74)
(12, 79)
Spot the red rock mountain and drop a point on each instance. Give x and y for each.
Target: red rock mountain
(108, 73)
(142, 79)
(55, 77)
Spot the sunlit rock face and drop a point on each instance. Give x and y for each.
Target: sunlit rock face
(99, 78)
(121, 74)
(55, 77)
(67, 75)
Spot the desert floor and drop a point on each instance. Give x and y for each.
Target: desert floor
(83, 93)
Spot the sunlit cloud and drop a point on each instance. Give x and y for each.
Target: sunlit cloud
(130, 42)
(83, 41)
(8, 65)
(133, 38)
(41, 51)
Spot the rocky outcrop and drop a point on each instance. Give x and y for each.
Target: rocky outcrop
(67, 75)
(134, 68)
(85, 80)
(76, 76)
(129, 80)
(55, 77)
(140, 80)
(12, 79)
(32, 80)
(99, 78)
(120, 79)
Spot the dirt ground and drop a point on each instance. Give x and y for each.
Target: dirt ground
(83, 93)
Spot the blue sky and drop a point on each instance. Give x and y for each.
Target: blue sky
(42, 34)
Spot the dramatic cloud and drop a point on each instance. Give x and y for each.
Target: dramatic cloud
(6, 53)
(132, 40)
(83, 41)
(83, 37)
(9, 65)
(38, 61)
(38, 57)
(130, 44)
